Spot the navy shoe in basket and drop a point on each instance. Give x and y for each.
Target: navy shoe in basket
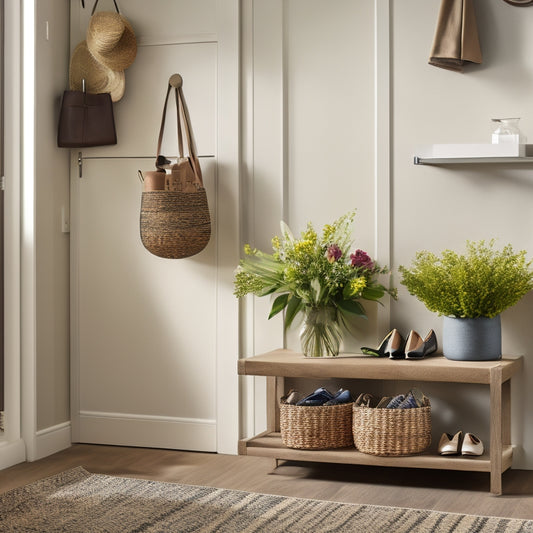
(319, 397)
(342, 396)
(396, 401)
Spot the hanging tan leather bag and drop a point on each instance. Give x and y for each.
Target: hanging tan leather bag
(175, 221)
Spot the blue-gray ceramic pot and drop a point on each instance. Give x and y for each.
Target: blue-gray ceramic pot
(472, 339)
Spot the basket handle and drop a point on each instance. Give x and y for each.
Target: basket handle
(175, 82)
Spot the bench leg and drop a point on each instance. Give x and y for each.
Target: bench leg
(496, 430)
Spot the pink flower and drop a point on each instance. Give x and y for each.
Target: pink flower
(361, 259)
(334, 253)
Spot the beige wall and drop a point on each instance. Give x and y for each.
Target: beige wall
(308, 143)
(325, 87)
(330, 122)
(436, 208)
(328, 146)
(51, 195)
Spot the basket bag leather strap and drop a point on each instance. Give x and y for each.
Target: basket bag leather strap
(175, 82)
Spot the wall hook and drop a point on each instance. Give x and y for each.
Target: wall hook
(175, 81)
(521, 3)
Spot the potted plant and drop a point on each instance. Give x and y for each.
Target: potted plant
(470, 290)
(316, 275)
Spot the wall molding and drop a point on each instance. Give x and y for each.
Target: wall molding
(52, 440)
(182, 39)
(28, 254)
(265, 168)
(382, 165)
(12, 453)
(264, 180)
(228, 210)
(149, 431)
(12, 447)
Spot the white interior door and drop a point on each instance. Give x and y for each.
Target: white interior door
(146, 325)
(146, 331)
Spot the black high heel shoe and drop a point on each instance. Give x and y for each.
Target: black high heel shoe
(418, 348)
(391, 346)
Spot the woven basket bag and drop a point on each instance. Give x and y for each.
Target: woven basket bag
(316, 427)
(392, 432)
(167, 234)
(175, 220)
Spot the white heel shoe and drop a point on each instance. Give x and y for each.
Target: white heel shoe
(472, 445)
(450, 445)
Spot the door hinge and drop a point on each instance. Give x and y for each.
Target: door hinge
(2, 183)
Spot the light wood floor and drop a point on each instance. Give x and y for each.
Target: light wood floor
(460, 492)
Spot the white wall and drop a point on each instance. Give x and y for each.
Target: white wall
(12, 447)
(51, 196)
(36, 262)
(436, 208)
(309, 174)
(330, 124)
(326, 102)
(41, 171)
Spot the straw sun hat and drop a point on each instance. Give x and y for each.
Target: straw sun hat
(101, 59)
(111, 40)
(98, 77)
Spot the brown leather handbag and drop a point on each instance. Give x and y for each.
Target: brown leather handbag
(86, 120)
(175, 222)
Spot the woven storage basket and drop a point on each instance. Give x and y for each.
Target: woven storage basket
(316, 427)
(392, 431)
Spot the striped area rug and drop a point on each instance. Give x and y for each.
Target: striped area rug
(76, 501)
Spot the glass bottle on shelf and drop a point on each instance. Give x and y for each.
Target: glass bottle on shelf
(506, 130)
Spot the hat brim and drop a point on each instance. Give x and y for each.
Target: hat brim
(98, 77)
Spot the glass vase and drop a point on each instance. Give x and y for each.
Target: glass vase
(321, 334)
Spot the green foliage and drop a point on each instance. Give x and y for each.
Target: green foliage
(482, 283)
(312, 271)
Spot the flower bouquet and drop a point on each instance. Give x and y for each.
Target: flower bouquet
(316, 276)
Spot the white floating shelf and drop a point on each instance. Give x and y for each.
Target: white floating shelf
(434, 154)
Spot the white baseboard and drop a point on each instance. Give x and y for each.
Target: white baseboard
(145, 431)
(12, 453)
(52, 440)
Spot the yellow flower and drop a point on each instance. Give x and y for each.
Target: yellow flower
(291, 274)
(304, 247)
(309, 235)
(328, 233)
(357, 285)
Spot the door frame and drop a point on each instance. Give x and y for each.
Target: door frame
(228, 224)
(17, 442)
(2, 172)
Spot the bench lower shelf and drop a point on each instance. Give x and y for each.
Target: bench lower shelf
(269, 444)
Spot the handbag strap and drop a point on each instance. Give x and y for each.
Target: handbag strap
(96, 3)
(175, 82)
